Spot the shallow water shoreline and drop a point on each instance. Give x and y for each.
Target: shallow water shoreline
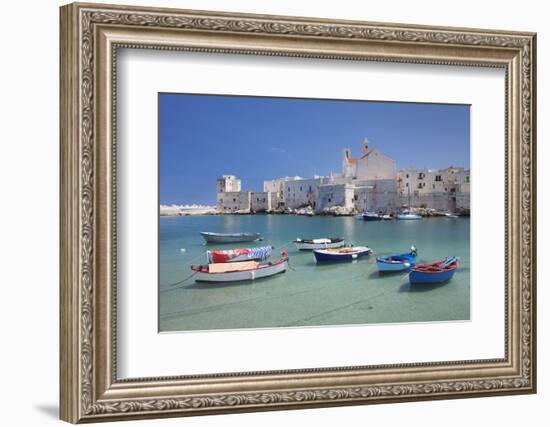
(311, 294)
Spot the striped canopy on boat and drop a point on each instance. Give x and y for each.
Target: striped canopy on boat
(241, 254)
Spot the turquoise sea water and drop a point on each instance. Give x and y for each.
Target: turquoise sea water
(311, 294)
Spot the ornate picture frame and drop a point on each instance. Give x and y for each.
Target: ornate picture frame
(90, 37)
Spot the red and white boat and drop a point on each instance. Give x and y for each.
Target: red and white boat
(240, 271)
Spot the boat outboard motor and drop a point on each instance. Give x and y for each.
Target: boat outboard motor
(413, 250)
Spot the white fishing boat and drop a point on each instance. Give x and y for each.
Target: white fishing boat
(387, 217)
(451, 215)
(406, 214)
(321, 243)
(239, 271)
(210, 237)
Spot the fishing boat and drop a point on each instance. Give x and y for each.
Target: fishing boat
(240, 271)
(371, 216)
(397, 262)
(451, 215)
(322, 243)
(406, 214)
(241, 254)
(341, 254)
(230, 237)
(438, 272)
(387, 217)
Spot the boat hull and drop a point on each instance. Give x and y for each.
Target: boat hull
(240, 276)
(323, 255)
(416, 277)
(397, 262)
(307, 246)
(438, 272)
(409, 217)
(393, 266)
(230, 238)
(372, 217)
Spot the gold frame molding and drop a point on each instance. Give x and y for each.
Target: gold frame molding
(90, 37)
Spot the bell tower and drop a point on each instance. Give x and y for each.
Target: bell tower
(365, 147)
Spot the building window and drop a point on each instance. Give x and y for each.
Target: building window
(421, 175)
(438, 178)
(310, 188)
(467, 179)
(355, 197)
(329, 200)
(406, 176)
(234, 200)
(407, 184)
(300, 188)
(433, 186)
(445, 188)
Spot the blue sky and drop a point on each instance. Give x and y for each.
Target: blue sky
(204, 136)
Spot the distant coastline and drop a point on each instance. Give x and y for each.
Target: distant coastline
(184, 210)
(195, 210)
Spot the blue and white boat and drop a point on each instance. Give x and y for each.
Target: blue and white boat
(341, 254)
(438, 272)
(397, 262)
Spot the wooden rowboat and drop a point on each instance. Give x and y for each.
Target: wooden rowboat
(438, 272)
(397, 262)
(341, 254)
(230, 237)
(239, 271)
(321, 243)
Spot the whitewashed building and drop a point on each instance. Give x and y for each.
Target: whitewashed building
(300, 193)
(336, 195)
(226, 183)
(261, 201)
(376, 196)
(441, 189)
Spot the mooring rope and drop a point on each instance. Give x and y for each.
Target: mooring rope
(194, 259)
(183, 280)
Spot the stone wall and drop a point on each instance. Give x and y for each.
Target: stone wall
(233, 201)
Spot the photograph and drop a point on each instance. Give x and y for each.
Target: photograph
(300, 212)
(269, 209)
